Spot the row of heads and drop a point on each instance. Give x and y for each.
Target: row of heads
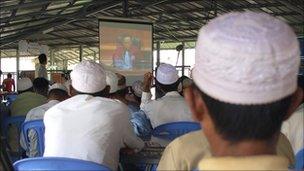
(39, 84)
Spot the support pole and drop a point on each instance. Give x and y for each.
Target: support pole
(158, 54)
(80, 53)
(183, 59)
(17, 63)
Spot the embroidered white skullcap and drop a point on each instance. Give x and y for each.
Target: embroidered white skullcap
(137, 88)
(24, 84)
(112, 81)
(246, 58)
(166, 74)
(88, 77)
(58, 86)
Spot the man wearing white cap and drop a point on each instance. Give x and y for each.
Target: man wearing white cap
(245, 78)
(29, 95)
(57, 93)
(169, 108)
(89, 126)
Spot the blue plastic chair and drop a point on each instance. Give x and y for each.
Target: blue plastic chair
(38, 127)
(56, 163)
(170, 131)
(299, 160)
(10, 99)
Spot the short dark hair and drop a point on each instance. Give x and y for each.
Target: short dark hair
(9, 75)
(57, 94)
(167, 88)
(42, 58)
(246, 122)
(122, 92)
(102, 93)
(41, 85)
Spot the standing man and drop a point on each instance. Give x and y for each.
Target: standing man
(9, 83)
(41, 67)
(89, 126)
(245, 86)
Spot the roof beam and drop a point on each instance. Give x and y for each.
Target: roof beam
(85, 11)
(26, 5)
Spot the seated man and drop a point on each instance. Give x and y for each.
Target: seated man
(293, 128)
(89, 126)
(27, 99)
(141, 124)
(169, 108)
(245, 86)
(57, 93)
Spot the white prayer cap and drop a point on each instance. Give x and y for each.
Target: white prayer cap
(88, 77)
(247, 58)
(58, 86)
(137, 88)
(166, 74)
(112, 81)
(24, 84)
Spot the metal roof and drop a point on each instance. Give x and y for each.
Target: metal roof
(60, 23)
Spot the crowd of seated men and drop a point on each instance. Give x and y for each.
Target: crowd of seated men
(243, 90)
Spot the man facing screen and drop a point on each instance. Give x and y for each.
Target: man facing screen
(125, 53)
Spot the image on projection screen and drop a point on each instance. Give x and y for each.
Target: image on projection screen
(126, 47)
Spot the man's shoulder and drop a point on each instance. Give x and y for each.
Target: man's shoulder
(35, 113)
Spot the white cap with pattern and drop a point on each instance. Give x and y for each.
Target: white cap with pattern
(24, 84)
(112, 81)
(88, 77)
(247, 58)
(166, 74)
(58, 86)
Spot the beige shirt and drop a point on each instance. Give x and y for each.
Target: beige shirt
(261, 162)
(185, 152)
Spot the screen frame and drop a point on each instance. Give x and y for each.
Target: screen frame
(122, 20)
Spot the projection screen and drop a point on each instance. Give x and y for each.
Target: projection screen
(126, 47)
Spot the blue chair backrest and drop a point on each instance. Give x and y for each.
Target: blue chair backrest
(56, 163)
(14, 121)
(10, 98)
(38, 127)
(170, 131)
(300, 160)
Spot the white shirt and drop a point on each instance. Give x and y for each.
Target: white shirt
(293, 128)
(89, 128)
(40, 71)
(35, 114)
(170, 108)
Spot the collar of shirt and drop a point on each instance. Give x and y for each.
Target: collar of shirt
(261, 162)
(172, 94)
(53, 102)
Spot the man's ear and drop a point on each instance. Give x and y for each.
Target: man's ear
(72, 91)
(296, 100)
(195, 102)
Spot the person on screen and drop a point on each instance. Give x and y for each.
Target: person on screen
(125, 54)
